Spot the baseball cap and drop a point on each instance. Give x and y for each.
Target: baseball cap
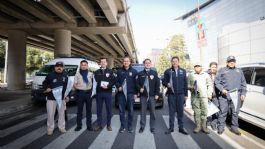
(60, 63)
(231, 58)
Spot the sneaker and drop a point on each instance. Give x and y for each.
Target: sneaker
(109, 128)
(236, 131)
(49, 133)
(122, 130)
(141, 130)
(62, 130)
(220, 131)
(78, 128)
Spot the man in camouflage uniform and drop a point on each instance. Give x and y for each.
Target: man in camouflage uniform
(201, 87)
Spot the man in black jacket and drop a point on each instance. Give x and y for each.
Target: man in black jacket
(105, 80)
(148, 84)
(53, 80)
(175, 80)
(126, 85)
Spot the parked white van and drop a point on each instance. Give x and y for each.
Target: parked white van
(253, 108)
(71, 65)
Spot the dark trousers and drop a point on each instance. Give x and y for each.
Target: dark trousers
(225, 105)
(176, 104)
(101, 98)
(122, 106)
(151, 103)
(84, 98)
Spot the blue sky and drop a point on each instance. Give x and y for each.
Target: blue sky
(152, 21)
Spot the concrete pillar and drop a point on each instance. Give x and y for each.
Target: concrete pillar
(62, 43)
(16, 62)
(110, 62)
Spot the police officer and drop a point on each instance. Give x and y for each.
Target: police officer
(83, 86)
(53, 80)
(201, 87)
(212, 120)
(148, 85)
(105, 80)
(126, 85)
(227, 79)
(177, 90)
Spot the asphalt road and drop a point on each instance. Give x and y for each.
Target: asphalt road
(28, 130)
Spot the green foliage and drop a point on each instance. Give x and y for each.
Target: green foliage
(175, 47)
(36, 58)
(2, 54)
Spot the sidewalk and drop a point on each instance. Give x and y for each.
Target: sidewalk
(12, 102)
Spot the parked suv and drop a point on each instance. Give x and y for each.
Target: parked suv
(253, 108)
(159, 102)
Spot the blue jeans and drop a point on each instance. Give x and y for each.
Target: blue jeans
(122, 106)
(176, 104)
(100, 99)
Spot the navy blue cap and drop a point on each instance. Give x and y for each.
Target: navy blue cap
(60, 63)
(231, 58)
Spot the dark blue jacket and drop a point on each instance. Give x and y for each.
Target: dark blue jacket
(179, 82)
(107, 76)
(130, 76)
(154, 82)
(54, 80)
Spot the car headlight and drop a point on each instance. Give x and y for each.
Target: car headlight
(35, 86)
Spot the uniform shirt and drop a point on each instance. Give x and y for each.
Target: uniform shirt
(130, 76)
(229, 79)
(80, 83)
(180, 84)
(154, 82)
(105, 75)
(203, 82)
(54, 80)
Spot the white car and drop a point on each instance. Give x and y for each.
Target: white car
(253, 108)
(71, 65)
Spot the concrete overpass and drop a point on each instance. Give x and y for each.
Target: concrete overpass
(93, 28)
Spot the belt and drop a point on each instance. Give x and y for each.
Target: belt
(85, 91)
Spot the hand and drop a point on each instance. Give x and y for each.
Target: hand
(48, 90)
(120, 89)
(168, 85)
(224, 92)
(242, 97)
(210, 98)
(105, 87)
(141, 90)
(66, 99)
(156, 97)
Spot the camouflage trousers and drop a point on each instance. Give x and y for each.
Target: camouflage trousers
(199, 106)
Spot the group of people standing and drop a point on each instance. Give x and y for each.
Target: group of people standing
(146, 84)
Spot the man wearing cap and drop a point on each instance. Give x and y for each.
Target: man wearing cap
(177, 90)
(126, 85)
(105, 80)
(201, 87)
(230, 78)
(53, 80)
(83, 85)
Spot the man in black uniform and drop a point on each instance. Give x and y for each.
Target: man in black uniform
(126, 85)
(228, 79)
(177, 90)
(105, 80)
(53, 80)
(148, 84)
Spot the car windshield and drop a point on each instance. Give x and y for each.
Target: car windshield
(45, 70)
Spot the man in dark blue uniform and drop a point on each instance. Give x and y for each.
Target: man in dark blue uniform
(148, 84)
(177, 90)
(126, 85)
(105, 80)
(230, 78)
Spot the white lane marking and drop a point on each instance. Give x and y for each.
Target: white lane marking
(145, 139)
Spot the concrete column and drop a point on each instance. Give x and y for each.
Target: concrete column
(16, 62)
(62, 43)
(110, 62)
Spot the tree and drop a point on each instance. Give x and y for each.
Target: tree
(2, 54)
(175, 47)
(36, 58)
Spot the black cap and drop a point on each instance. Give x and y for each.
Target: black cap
(231, 58)
(59, 64)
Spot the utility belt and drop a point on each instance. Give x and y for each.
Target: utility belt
(84, 91)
